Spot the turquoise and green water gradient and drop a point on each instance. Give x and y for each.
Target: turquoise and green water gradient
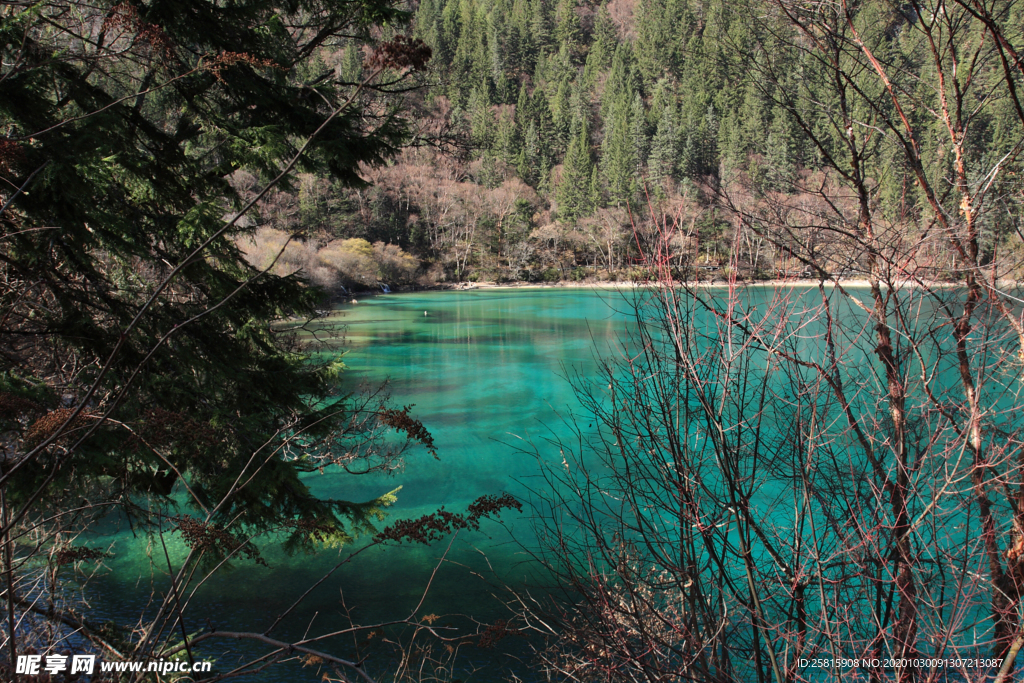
(486, 372)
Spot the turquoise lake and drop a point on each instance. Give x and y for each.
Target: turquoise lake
(486, 371)
(490, 374)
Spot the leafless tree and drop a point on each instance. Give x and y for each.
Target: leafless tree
(819, 481)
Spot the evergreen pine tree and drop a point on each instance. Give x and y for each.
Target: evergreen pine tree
(524, 114)
(506, 140)
(605, 35)
(579, 101)
(523, 169)
(530, 160)
(449, 34)
(618, 160)
(573, 194)
(663, 28)
(472, 61)
(545, 125)
(561, 117)
(779, 151)
(638, 137)
(601, 49)
(732, 147)
(522, 50)
(663, 96)
(540, 70)
(351, 63)
(481, 119)
(489, 175)
(496, 39)
(540, 24)
(689, 164)
(709, 143)
(622, 81)
(568, 33)
(665, 146)
(426, 15)
(593, 67)
(752, 121)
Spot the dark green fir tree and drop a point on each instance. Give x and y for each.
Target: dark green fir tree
(574, 189)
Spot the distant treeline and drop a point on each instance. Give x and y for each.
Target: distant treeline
(577, 130)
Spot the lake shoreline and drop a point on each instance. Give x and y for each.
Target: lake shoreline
(628, 284)
(852, 283)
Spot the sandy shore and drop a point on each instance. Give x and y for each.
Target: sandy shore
(852, 283)
(468, 286)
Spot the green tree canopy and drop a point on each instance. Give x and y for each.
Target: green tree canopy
(138, 346)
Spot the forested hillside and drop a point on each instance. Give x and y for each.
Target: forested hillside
(578, 125)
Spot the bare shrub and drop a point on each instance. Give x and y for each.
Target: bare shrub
(351, 259)
(281, 253)
(394, 264)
